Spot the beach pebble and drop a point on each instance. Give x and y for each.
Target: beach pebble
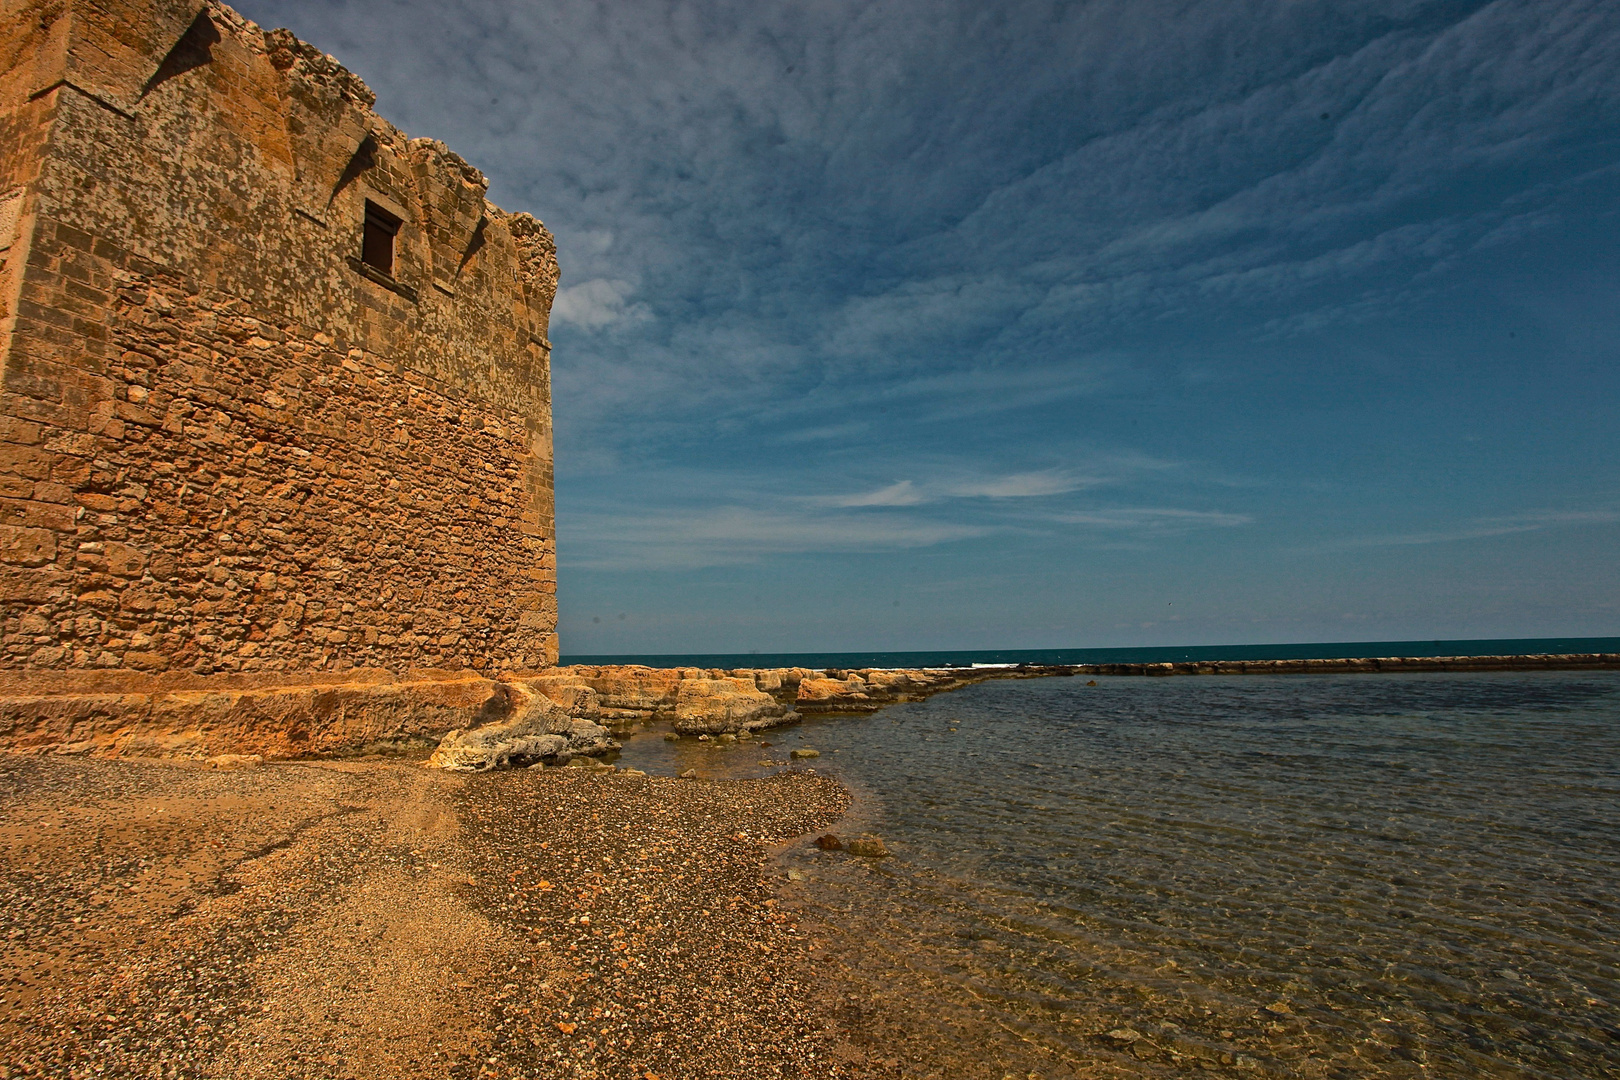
(870, 846)
(689, 774)
(728, 738)
(805, 753)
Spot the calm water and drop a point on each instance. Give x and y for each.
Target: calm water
(1303, 876)
(1322, 650)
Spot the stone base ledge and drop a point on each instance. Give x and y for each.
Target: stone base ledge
(275, 715)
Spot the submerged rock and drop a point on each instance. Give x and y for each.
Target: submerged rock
(804, 753)
(868, 845)
(829, 842)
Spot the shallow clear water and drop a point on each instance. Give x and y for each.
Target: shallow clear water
(1306, 875)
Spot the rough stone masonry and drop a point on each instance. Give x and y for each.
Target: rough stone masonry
(275, 425)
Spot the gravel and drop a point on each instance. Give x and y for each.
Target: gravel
(375, 919)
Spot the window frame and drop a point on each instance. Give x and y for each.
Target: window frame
(378, 232)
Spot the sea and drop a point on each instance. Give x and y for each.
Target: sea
(1328, 650)
(1339, 875)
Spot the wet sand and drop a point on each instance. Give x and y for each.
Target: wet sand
(376, 919)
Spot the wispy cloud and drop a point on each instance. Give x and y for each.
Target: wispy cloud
(686, 538)
(904, 493)
(1154, 519)
(1024, 485)
(1485, 528)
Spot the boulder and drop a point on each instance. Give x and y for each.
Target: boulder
(725, 706)
(630, 689)
(585, 737)
(768, 680)
(532, 727)
(830, 695)
(897, 683)
(573, 693)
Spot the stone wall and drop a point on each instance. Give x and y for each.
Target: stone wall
(226, 443)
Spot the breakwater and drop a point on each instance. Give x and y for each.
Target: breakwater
(1381, 664)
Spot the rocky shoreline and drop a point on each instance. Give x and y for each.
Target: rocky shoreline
(550, 717)
(574, 712)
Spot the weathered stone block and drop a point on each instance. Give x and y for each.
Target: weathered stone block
(25, 547)
(725, 705)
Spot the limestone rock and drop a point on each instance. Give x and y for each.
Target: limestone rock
(573, 693)
(833, 694)
(531, 727)
(585, 737)
(631, 688)
(724, 706)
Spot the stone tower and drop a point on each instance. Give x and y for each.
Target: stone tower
(276, 398)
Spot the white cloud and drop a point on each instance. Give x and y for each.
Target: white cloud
(591, 305)
(1024, 485)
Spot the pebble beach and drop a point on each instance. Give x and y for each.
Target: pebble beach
(375, 919)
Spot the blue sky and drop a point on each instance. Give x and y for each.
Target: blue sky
(936, 324)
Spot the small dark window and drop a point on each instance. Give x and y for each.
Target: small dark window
(377, 243)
